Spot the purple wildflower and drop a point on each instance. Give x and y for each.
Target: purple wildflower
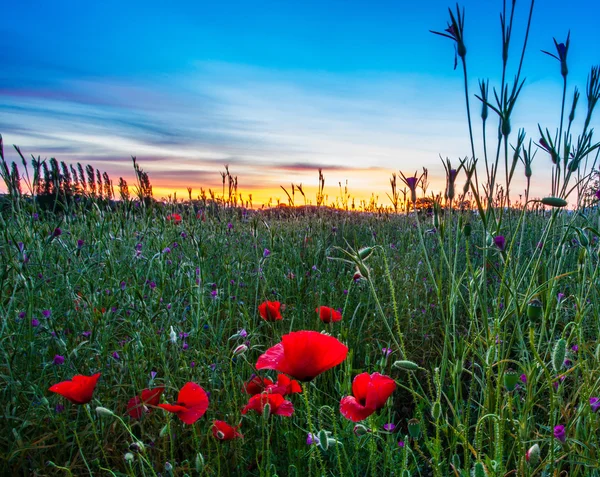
(266, 253)
(46, 313)
(595, 404)
(389, 427)
(500, 242)
(58, 360)
(560, 434)
(35, 323)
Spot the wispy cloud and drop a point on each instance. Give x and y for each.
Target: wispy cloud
(271, 127)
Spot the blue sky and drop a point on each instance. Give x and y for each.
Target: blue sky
(274, 89)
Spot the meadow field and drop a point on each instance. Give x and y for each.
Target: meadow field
(446, 333)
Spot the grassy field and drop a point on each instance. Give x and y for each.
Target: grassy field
(158, 297)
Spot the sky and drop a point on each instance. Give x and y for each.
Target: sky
(276, 89)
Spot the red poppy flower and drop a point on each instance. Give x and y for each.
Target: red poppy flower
(78, 390)
(175, 218)
(370, 394)
(328, 314)
(256, 385)
(269, 310)
(277, 404)
(224, 432)
(137, 406)
(303, 355)
(284, 386)
(192, 403)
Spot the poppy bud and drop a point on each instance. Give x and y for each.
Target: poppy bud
(554, 201)
(103, 412)
(267, 411)
(510, 379)
(360, 430)
(534, 309)
(241, 349)
(533, 455)
(436, 410)
(405, 364)
(365, 252)
(164, 430)
(528, 171)
(199, 462)
(323, 440)
(558, 354)
(479, 470)
(414, 428)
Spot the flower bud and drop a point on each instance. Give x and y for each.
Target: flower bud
(323, 440)
(414, 428)
(436, 410)
(554, 202)
(558, 354)
(406, 365)
(129, 457)
(266, 411)
(365, 252)
(532, 456)
(360, 430)
(104, 412)
(199, 462)
(479, 470)
(241, 349)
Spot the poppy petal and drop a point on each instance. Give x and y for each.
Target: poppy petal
(353, 410)
(152, 396)
(135, 407)
(175, 408)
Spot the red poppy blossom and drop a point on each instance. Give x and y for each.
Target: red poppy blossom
(327, 314)
(284, 386)
(303, 355)
(137, 405)
(270, 311)
(78, 390)
(256, 385)
(370, 394)
(277, 404)
(224, 432)
(175, 218)
(192, 403)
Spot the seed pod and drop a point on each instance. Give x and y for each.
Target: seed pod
(467, 229)
(554, 202)
(510, 379)
(405, 364)
(558, 354)
(535, 309)
(414, 428)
